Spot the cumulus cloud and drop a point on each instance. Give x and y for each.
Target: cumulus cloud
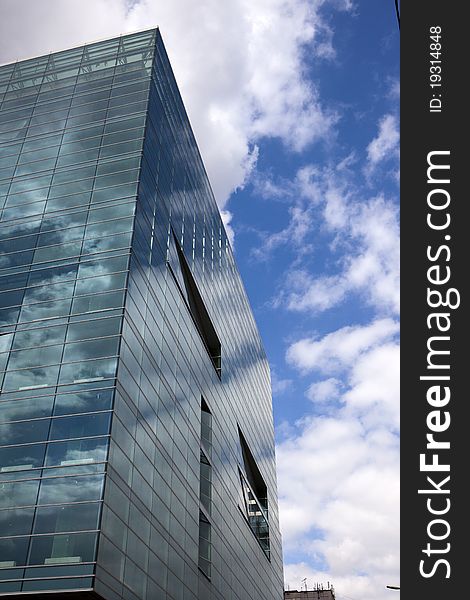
(241, 79)
(324, 391)
(385, 145)
(340, 349)
(364, 235)
(339, 474)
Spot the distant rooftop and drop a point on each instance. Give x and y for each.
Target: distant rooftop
(309, 595)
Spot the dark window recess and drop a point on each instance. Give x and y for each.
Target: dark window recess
(254, 497)
(205, 491)
(205, 545)
(206, 427)
(187, 285)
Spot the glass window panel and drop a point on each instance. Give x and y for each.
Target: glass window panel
(7, 173)
(86, 119)
(43, 142)
(93, 97)
(74, 174)
(51, 571)
(94, 328)
(123, 136)
(52, 106)
(51, 115)
(46, 128)
(78, 157)
(123, 148)
(57, 252)
(125, 209)
(26, 409)
(101, 283)
(18, 493)
(84, 86)
(39, 337)
(80, 426)
(26, 185)
(114, 166)
(114, 193)
(98, 302)
(62, 548)
(8, 161)
(101, 267)
(117, 178)
(75, 187)
(54, 291)
(83, 402)
(123, 124)
(52, 275)
(31, 358)
(31, 378)
(21, 458)
(38, 155)
(77, 452)
(12, 149)
(80, 134)
(11, 298)
(35, 167)
(56, 584)
(69, 201)
(15, 522)
(91, 349)
(16, 259)
(60, 236)
(16, 212)
(95, 76)
(71, 489)
(45, 310)
(72, 517)
(109, 242)
(14, 550)
(93, 106)
(24, 432)
(105, 228)
(93, 370)
(80, 145)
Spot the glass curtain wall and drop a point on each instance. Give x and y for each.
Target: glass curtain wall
(71, 134)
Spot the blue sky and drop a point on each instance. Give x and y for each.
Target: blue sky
(294, 104)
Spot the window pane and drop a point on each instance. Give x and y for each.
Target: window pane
(72, 517)
(24, 432)
(71, 489)
(84, 402)
(63, 548)
(26, 409)
(21, 493)
(16, 522)
(21, 458)
(80, 426)
(13, 551)
(77, 452)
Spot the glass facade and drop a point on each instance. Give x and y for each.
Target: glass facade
(130, 363)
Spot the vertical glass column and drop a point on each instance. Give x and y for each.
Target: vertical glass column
(71, 133)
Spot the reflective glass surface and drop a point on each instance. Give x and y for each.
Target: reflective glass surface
(71, 135)
(121, 307)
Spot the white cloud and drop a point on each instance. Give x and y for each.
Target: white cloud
(324, 391)
(239, 65)
(340, 349)
(365, 239)
(339, 475)
(385, 145)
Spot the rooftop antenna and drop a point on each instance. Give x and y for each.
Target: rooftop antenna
(304, 581)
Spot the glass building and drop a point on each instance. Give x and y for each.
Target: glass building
(136, 435)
